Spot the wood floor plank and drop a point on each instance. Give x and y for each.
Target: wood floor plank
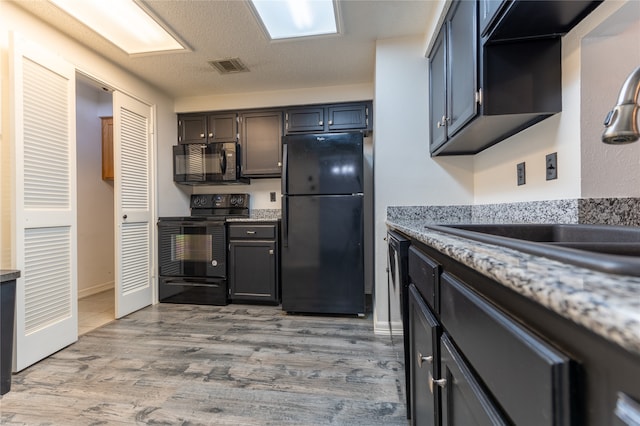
(215, 365)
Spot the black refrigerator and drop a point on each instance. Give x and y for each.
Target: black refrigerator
(323, 224)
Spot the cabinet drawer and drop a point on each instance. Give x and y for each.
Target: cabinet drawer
(252, 231)
(530, 378)
(424, 273)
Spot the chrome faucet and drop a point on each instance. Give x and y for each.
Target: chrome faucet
(621, 123)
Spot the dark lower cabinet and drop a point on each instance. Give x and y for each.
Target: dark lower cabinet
(424, 336)
(464, 401)
(473, 364)
(254, 263)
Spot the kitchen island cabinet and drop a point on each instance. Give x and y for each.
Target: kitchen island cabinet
(533, 333)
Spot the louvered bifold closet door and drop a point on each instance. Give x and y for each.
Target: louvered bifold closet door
(134, 200)
(43, 101)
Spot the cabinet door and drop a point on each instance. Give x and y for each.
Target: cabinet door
(438, 92)
(348, 117)
(462, 75)
(192, 129)
(252, 271)
(424, 335)
(488, 13)
(464, 400)
(222, 128)
(261, 143)
(305, 120)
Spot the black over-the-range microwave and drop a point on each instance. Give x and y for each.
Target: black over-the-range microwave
(197, 163)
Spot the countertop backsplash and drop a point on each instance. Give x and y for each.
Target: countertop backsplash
(606, 211)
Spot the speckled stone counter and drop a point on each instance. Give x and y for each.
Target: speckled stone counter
(7, 275)
(258, 215)
(606, 304)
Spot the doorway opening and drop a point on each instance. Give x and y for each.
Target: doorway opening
(95, 205)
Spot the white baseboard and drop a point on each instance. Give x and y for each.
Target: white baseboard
(381, 328)
(99, 288)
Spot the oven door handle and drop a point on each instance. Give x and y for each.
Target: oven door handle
(189, 283)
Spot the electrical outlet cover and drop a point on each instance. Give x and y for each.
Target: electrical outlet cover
(552, 166)
(521, 173)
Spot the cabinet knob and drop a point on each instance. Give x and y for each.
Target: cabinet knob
(202, 135)
(330, 122)
(271, 252)
(210, 135)
(279, 163)
(320, 123)
(422, 358)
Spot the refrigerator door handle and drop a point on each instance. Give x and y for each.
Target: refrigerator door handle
(285, 170)
(285, 221)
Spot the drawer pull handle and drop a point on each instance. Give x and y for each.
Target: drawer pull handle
(422, 358)
(440, 382)
(251, 232)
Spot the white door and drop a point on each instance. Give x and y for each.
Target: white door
(133, 213)
(44, 149)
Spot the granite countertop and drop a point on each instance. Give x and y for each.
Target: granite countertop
(606, 304)
(258, 215)
(7, 275)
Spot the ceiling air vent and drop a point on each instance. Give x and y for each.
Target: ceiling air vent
(229, 66)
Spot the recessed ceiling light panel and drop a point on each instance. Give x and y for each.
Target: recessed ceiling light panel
(283, 19)
(125, 23)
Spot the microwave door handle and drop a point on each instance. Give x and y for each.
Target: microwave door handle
(223, 161)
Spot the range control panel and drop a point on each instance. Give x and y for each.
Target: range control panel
(223, 201)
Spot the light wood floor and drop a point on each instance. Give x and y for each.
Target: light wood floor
(206, 365)
(95, 311)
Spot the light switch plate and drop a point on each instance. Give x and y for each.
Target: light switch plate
(552, 166)
(521, 173)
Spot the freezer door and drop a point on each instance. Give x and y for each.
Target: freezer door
(322, 164)
(322, 259)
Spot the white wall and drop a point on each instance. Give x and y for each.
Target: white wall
(609, 53)
(96, 262)
(593, 69)
(404, 173)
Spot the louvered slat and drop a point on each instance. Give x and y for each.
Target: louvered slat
(47, 276)
(46, 139)
(135, 256)
(135, 170)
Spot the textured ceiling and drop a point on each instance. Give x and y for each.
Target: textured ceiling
(217, 29)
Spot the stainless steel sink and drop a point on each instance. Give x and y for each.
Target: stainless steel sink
(606, 248)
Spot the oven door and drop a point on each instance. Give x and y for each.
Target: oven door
(192, 249)
(201, 163)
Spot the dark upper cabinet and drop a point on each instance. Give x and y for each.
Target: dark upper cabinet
(490, 76)
(453, 71)
(261, 143)
(329, 118)
(305, 119)
(462, 81)
(207, 128)
(518, 19)
(348, 117)
(222, 127)
(437, 91)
